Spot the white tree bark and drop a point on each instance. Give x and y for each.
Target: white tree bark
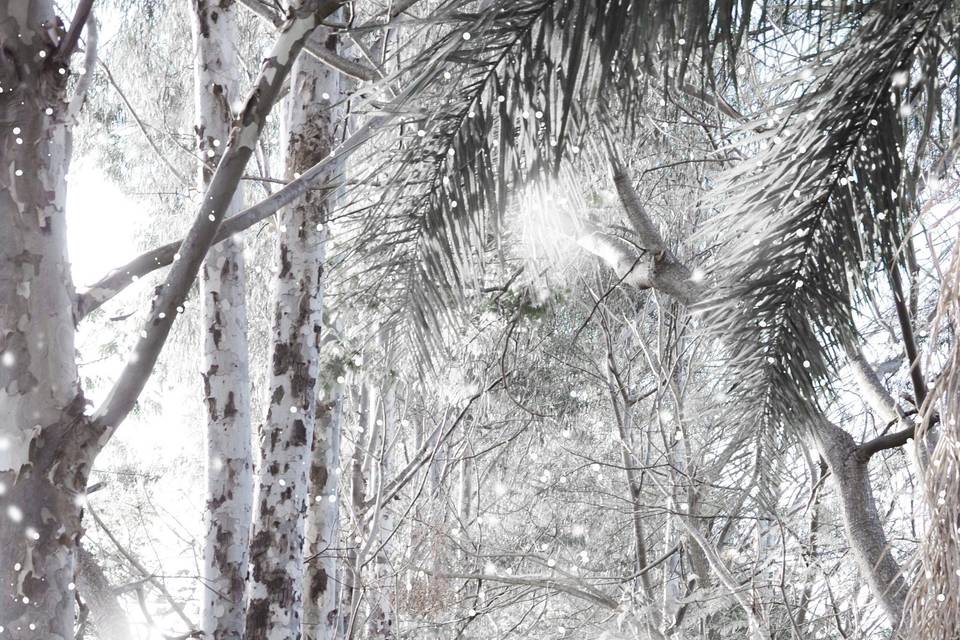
(350, 596)
(323, 513)
(303, 19)
(275, 609)
(41, 474)
(47, 443)
(225, 362)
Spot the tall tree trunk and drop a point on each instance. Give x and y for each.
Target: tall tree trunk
(42, 473)
(225, 363)
(276, 548)
(323, 514)
(47, 443)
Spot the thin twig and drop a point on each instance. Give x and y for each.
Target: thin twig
(146, 573)
(143, 127)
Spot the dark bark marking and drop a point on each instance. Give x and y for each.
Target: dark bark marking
(283, 358)
(230, 409)
(285, 264)
(318, 476)
(200, 11)
(298, 436)
(318, 584)
(257, 616)
(15, 343)
(208, 393)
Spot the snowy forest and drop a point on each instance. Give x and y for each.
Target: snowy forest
(479, 319)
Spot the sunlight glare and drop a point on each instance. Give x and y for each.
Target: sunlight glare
(100, 224)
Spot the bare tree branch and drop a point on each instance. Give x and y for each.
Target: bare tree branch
(348, 67)
(540, 582)
(143, 128)
(146, 573)
(89, 65)
(80, 17)
(109, 618)
(167, 303)
(120, 278)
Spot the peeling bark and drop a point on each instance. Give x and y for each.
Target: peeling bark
(47, 443)
(225, 362)
(275, 586)
(42, 470)
(303, 19)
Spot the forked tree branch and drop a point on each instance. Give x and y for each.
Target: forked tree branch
(80, 16)
(859, 509)
(167, 303)
(146, 263)
(883, 404)
(339, 63)
(653, 265)
(673, 278)
(758, 628)
(89, 66)
(886, 441)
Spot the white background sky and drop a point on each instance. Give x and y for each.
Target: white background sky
(101, 223)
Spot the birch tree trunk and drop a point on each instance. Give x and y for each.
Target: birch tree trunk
(225, 363)
(277, 544)
(47, 442)
(323, 514)
(42, 473)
